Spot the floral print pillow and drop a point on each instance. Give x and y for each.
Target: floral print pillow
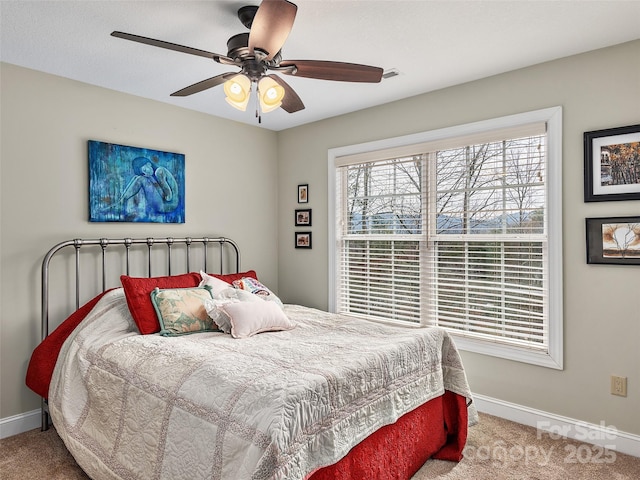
(254, 286)
(182, 311)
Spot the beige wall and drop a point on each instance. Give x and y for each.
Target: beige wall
(597, 90)
(46, 121)
(231, 180)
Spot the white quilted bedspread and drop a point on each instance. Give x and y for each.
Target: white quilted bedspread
(207, 406)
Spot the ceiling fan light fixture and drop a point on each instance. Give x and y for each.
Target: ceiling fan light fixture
(237, 90)
(258, 51)
(270, 94)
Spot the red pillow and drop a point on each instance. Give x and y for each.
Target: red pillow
(232, 277)
(138, 290)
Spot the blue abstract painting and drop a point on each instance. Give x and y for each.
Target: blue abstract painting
(131, 184)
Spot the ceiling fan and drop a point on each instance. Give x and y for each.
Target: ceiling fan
(258, 52)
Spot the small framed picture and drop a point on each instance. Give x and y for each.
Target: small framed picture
(303, 193)
(613, 240)
(303, 239)
(612, 164)
(303, 218)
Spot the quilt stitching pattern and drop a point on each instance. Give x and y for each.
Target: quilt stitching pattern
(214, 407)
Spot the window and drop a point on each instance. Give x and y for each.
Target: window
(459, 228)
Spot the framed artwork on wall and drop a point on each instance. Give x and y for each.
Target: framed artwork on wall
(303, 239)
(303, 193)
(303, 218)
(612, 164)
(613, 240)
(131, 184)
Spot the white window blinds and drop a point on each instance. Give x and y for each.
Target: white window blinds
(487, 241)
(450, 232)
(381, 224)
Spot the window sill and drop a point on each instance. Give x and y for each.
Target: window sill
(524, 355)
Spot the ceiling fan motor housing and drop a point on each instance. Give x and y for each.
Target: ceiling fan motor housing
(238, 46)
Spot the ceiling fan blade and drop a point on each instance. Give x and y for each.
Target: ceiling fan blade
(203, 85)
(291, 102)
(337, 71)
(271, 26)
(172, 46)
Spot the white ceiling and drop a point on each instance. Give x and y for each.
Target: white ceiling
(432, 43)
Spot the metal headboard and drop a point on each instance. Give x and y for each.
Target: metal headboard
(124, 247)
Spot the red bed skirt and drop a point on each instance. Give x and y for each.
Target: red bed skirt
(436, 429)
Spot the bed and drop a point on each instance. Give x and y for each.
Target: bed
(272, 391)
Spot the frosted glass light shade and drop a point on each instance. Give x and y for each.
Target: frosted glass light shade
(237, 90)
(270, 94)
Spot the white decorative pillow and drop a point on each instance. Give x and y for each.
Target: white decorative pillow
(254, 286)
(250, 318)
(216, 284)
(224, 297)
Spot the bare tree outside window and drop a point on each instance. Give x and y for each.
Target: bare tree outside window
(491, 188)
(385, 197)
(487, 278)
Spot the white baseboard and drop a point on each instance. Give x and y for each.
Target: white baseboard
(591, 433)
(20, 423)
(602, 435)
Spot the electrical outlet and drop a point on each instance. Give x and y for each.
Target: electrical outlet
(618, 385)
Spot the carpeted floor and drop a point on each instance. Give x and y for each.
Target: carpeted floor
(497, 449)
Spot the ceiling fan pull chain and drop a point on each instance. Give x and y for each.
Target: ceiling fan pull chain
(257, 101)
